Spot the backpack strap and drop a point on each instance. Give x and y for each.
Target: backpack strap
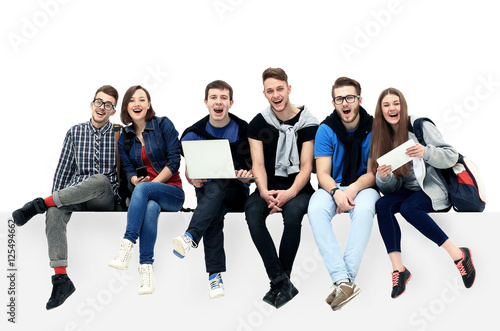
(117, 128)
(417, 129)
(128, 140)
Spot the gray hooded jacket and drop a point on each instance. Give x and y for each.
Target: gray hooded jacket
(438, 154)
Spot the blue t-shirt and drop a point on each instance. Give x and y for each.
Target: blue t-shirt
(327, 144)
(229, 132)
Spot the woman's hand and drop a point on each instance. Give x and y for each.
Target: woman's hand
(384, 170)
(137, 180)
(416, 151)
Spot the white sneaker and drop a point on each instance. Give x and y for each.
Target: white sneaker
(146, 279)
(123, 256)
(216, 287)
(182, 245)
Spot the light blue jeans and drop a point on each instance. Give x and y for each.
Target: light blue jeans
(322, 209)
(148, 199)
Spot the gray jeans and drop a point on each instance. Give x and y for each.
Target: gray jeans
(93, 194)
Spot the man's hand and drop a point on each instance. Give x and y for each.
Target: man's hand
(280, 198)
(243, 173)
(271, 201)
(344, 201)
(198, 183)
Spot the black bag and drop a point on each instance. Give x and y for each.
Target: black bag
(464, 183)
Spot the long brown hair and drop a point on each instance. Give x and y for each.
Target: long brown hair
(124, 115)
(384, 138)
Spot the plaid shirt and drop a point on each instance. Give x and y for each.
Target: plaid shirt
(86, 152)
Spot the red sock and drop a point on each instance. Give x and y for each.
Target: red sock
(60, 270)
(49, 202)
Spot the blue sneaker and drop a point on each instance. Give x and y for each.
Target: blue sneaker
(182, 245)
(215, 286)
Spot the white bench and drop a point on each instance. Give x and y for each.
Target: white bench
(435, 298)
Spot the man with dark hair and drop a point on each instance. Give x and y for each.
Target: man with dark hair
(216, 197)
(85, 179)
(342, 161)
(281, 143)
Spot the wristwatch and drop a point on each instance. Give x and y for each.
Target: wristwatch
(332, 192)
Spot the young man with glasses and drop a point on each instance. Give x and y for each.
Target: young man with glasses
(281, 144)
(346, 184)
(85, 179)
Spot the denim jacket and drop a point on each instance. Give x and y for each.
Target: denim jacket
(161, 143)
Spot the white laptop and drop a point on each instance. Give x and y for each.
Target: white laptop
(209, 159)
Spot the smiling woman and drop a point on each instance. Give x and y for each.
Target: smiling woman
(156, 147)
(413, 190)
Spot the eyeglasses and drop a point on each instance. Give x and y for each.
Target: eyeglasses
(349, 98)
(107, 105)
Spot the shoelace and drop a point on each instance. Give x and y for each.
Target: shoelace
(189, 240)
(122, 254)
(461, 268)
(215, 283)
(339, 290)
(395, 278)
(145, 278)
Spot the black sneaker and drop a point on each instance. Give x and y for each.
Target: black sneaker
(32, 208)
(286, 292)
(399, 281)
(270, 296)
(466, 267)
(62, 288)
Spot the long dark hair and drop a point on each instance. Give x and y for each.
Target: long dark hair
(384, 138)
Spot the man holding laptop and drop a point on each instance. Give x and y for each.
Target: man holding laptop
(216, 197)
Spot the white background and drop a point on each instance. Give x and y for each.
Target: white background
(442, 55)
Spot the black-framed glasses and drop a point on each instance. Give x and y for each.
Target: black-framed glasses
(349, 98)
(107, 105)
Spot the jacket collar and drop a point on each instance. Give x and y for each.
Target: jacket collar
(150, 126)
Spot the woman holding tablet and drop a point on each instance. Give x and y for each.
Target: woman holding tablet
(413, 189)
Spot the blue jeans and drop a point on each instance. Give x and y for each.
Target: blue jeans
(414, 206)
(322, 209)
(293, 211)
(215, 199)
(148, 199)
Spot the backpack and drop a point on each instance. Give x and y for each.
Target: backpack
(125, 188)
(464, 183)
